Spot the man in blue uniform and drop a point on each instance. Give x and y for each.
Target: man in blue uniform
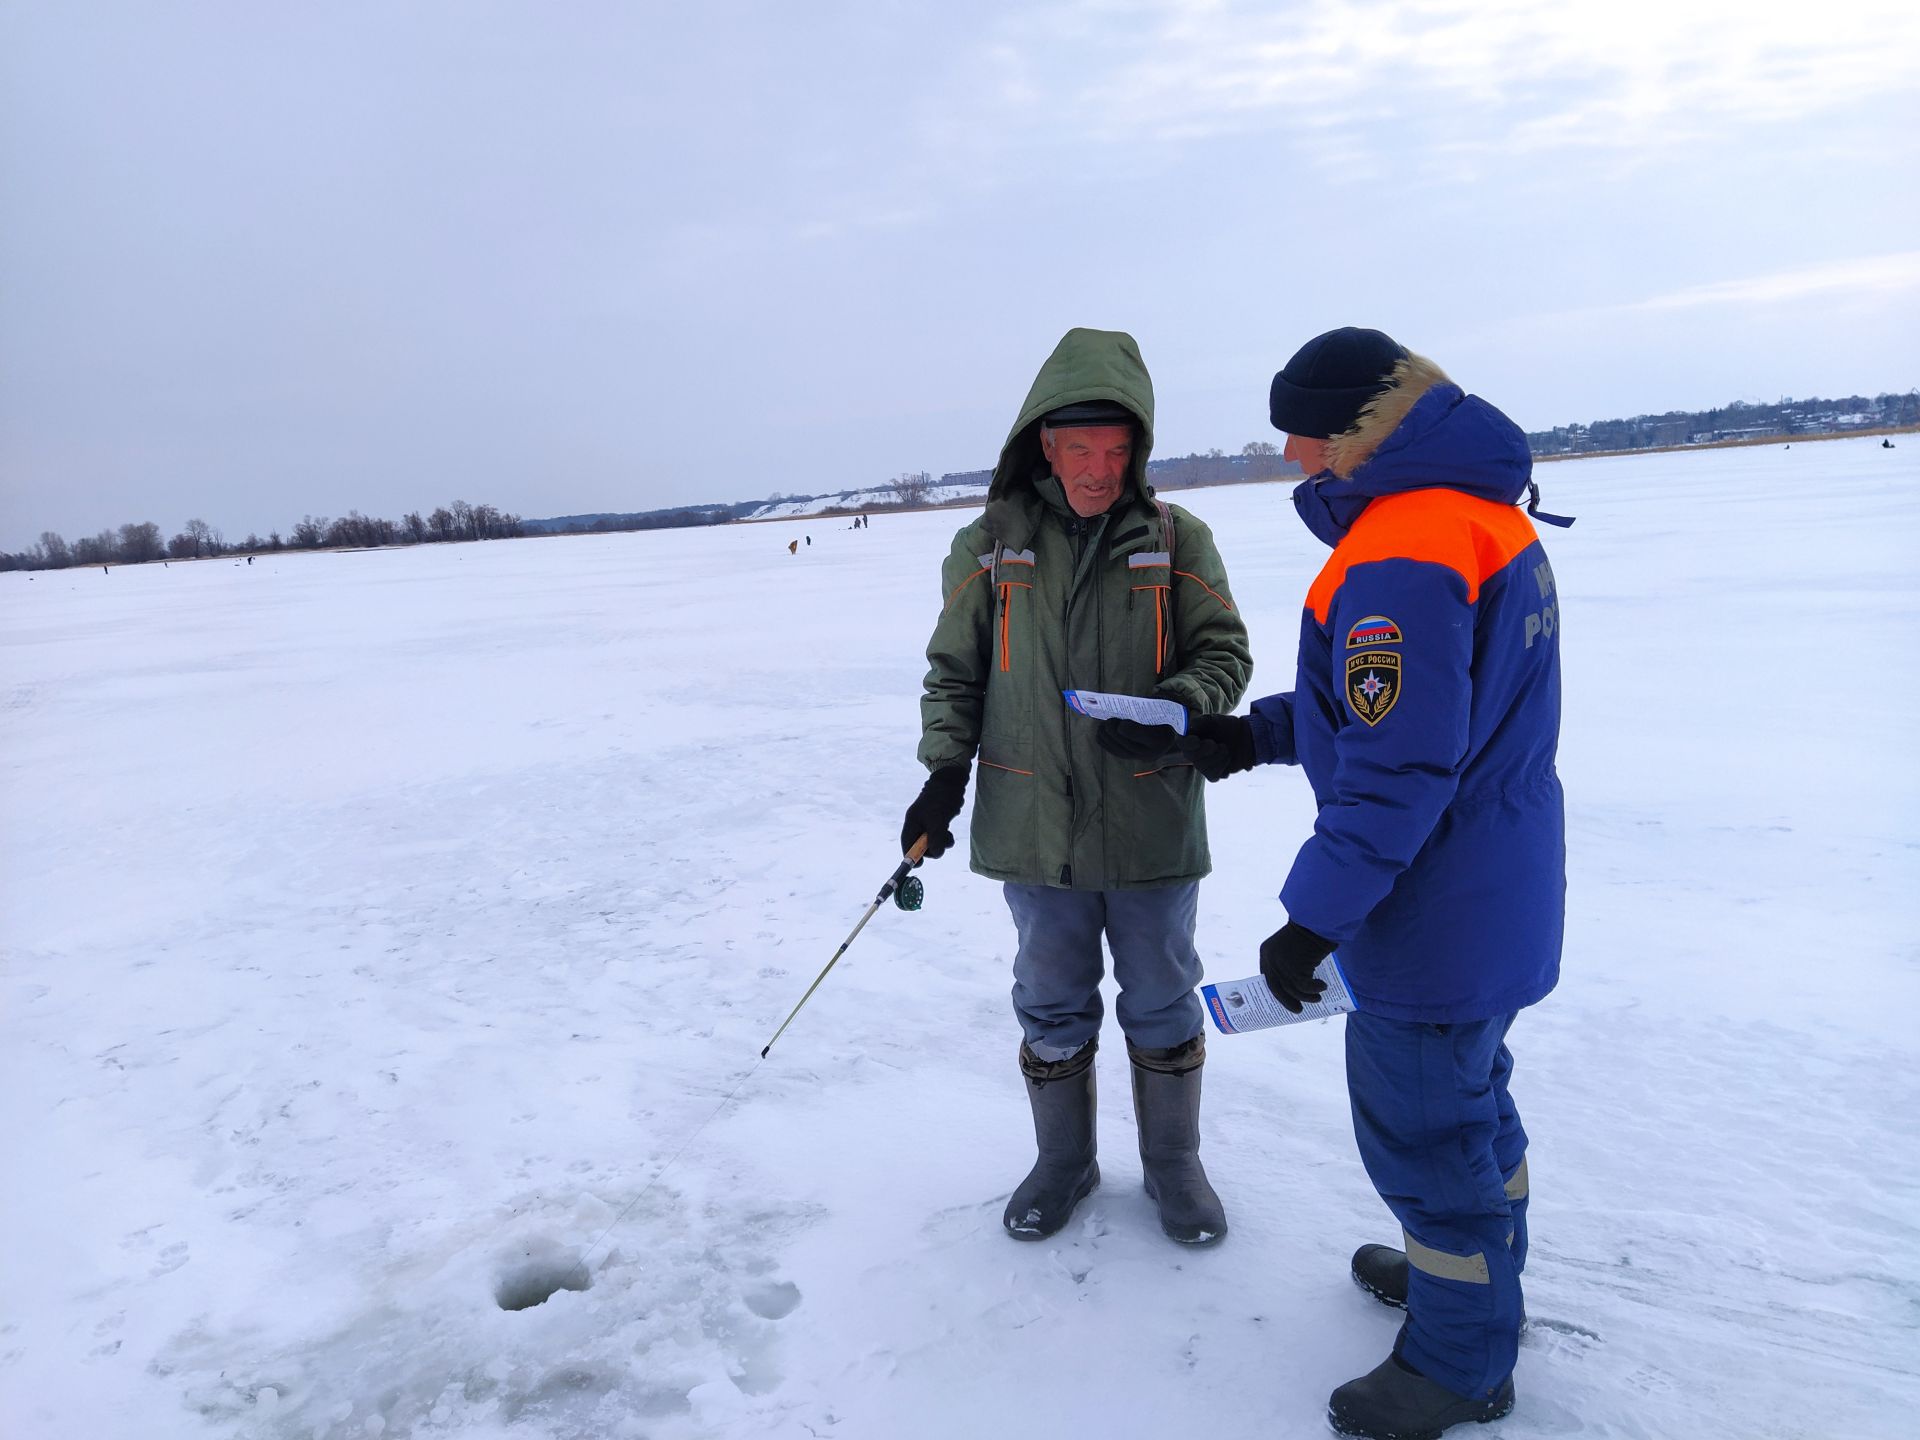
(1426, 714)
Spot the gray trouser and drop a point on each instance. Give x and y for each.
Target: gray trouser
(1058, 968)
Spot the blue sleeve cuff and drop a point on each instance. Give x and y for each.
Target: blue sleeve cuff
(1272, 722)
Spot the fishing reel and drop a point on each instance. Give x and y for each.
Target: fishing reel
(910, 894)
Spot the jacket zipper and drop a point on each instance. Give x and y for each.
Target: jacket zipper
(1081, 532)
(1077, 538)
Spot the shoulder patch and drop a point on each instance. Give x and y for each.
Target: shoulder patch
(1374, 630)
(1373, 683)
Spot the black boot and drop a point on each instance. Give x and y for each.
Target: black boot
(1396, 1402)
(1381, 1271)
(1061, 1093)
(1166, 1103)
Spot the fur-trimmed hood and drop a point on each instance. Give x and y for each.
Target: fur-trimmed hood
(1421, 433)
(1412, 378)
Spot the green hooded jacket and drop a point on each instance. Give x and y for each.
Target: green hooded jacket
(1095, 604)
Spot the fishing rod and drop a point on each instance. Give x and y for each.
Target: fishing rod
(903, 888)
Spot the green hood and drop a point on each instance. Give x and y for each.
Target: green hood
(1085, 365)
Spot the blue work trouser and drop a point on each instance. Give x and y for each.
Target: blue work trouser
(1442, 1144)
(1058, 967)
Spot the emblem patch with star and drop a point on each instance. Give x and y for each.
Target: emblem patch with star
(1373, 683)
(1373, 630)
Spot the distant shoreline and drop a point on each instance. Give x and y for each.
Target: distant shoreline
(978, 503)
(1781, 439)
(1284, 479)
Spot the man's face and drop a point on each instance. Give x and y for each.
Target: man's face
(1091, 463)
(1309, 454)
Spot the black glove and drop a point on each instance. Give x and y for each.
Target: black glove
(932, 811)
(1219, 745)
(1131, 740)
(1288, 958)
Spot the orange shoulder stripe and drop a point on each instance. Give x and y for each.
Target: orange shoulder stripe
(1474, 538)
(1189, 575)
(961, 586)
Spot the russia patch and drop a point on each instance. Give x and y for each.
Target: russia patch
(1374, 630)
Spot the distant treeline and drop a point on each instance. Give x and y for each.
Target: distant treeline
(679, 517)
(1740, 420)
(141, 543)
(1256, 460)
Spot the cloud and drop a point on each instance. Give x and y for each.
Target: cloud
(1888, 283)
(855, 217)
(1450, 75)
(1877, 275)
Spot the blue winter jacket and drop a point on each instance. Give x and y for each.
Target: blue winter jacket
(1426, 713)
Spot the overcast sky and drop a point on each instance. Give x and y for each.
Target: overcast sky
(259, 260)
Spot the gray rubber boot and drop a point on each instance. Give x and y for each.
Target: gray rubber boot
(1061, 1093)
(1395, 1402)
(1166, 1104)
(1381, 1271)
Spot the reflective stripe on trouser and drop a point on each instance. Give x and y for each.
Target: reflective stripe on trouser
(1442, 1144)
(1059, 965)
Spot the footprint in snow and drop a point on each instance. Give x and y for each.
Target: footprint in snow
(1560, 1337)
(1074, 1266)
(956, 1223)
(170, 1260)
(1562, 1327)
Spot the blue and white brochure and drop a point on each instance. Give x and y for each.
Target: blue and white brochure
(1239, 1005)
(1146, 709)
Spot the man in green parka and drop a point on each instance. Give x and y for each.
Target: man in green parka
(1076, 577)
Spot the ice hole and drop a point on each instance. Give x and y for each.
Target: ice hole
(773, 1300)
(538, 1279)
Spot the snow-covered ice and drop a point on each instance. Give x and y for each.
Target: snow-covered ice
(391, 937)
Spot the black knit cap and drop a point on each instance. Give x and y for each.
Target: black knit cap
(1330, 379)
(1089, 413)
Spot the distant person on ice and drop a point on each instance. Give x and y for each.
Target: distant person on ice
(1426, 714)
(1075, 576)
